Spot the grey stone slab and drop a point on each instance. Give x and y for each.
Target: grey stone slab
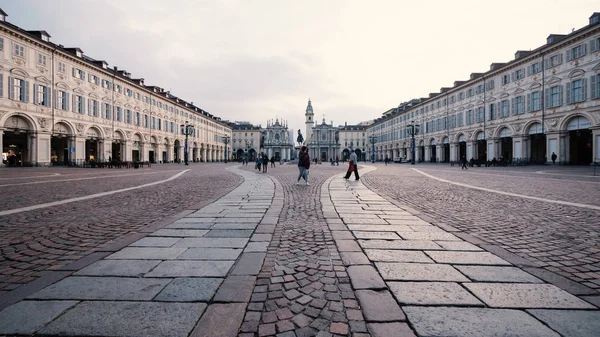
(342, 235)
(195, 218)
(27, 317)
(212, 243)
(155, 242)
(458, 245)
(497, 274)
(518, 295)
(397, 255)
(390, 329)
(377, 235)
(210, 254)
(131, 319)
(265, 229)
(424, 228)
(146, 253)
(189, 290)
(570, 323)
(419, 272)
(261, 237)
(428, 236)
(371, 220)
(562, 282)
(398, 244)
(235, 289)
(249, 264)
(191, 269)
(432, 293)
(380, 228)
(238, 219)
(256, 247)
(103, 288)
(353, 258)
(453, 257)
(241, 226)
(180, 233)
(220, 320)
(474, 322)
(348, 246)
(190, 225)
(365, 277)
(379, 306)
(132, 268)
(408, 222)
(229, 233)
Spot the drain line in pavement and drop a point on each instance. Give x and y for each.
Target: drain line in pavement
(92, 196)
(566, 203)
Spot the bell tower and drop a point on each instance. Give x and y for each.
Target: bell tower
(310, 120)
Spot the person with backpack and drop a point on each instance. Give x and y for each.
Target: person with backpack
(303, 165)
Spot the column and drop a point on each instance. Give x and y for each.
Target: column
(33, 149)
(169, 153)
(491, 152)
(517, 143)
(595, 144)
(563, 155)
(428, 153)
(469, 150)
(2, 148)
(182, 152)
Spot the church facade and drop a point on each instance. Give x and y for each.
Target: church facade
(322, 139)
(276, 140)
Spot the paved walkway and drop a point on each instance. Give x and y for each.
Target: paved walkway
(264, 260)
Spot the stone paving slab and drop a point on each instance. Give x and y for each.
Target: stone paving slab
(475, 258)
(380, 228)
(146, 253)
(398, 244)
(103, 288)
(189, 290)
(256, 247)
(239, 225)
(537, 296)
(131, 268)
(377, 235)
(127, 319)
(384, 255)
(210, 254)
(189, 268)
(212, 243)
(229, 233)
(458, 245)
(249, 264)
(180, 233)
(27, 317)
(155, 242)
(220, 320)
(379, 306)
(419, 272)
(365, 277)
(190, 225)
(475, 322)
(430, 236)
(353, 258)
(432, 293)
(235, 289)
(570, 323)
(497, 274)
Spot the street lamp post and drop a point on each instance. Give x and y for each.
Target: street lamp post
(412, 129)
(373, 140)
(189, 130)
(226, 141)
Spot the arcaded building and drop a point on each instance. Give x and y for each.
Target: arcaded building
(59, 106)
(544, 101)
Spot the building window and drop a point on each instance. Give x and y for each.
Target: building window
(19, 50)
(41, 60)
(595, 45)
(504, 109)
(62, 68)
(138, 119)
(518, 74)
(106, 113)
(479, 115)
(172, 127)
(505, 79)
(576, 91)
(93, 79)
(595, 86)
(159, 124)
(459, 119)
(106, 84)
(554, 61)
(489, 85)
(576, 52)
(118, 88)
(62, 100)
(554, 96)
(534, 68)
(1, 43)
(534, 101)
(518, 105)
(92, 107)
(118, 114)
(469, 117)
(128, 118)
(470, 92)
(461, 96)
(479, 89)
(78, 73)
(19, 89)
(146, 121)
(41, 95)
(79, 104)
(492, 111)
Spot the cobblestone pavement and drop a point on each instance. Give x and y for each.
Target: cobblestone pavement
(559, 238)
(36, 242)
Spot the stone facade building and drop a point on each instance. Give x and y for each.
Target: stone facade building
(246, 141)
(544, 101)
(276, 140)
(321, 139)
(60, 106)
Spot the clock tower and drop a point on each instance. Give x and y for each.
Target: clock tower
(310, 120)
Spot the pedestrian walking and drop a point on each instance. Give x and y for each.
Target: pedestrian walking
(464, 163)
(273, 161)
(553, 157)
(303, 165)
(352, 166)
(265, 159)
(258, 162)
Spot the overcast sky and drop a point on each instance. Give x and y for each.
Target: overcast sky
(254, 60)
